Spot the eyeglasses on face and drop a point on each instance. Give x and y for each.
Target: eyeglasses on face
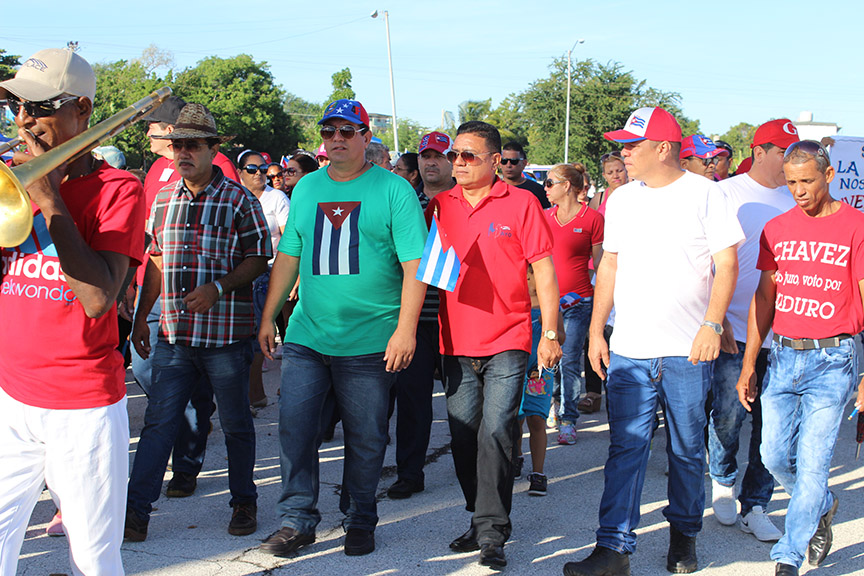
(513, 161)
(190, 145)
(705, 161)
(467, 157)
(279, 174)
(252, 168)
(37, 109)
(347, 131)
(548, 183)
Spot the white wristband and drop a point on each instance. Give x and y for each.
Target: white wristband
(219, 288)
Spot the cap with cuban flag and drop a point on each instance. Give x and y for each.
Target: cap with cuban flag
(655, 124)
(698, 146)
(350, 110)
(437, 141)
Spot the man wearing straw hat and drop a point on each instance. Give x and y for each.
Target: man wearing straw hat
(62, 388)
(210, 241)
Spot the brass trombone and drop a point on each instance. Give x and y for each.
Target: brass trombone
(16, 212)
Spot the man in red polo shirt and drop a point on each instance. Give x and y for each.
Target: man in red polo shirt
(496, 230)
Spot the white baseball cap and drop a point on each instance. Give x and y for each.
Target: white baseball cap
(50, 73)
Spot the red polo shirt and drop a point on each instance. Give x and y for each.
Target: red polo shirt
(490, 309)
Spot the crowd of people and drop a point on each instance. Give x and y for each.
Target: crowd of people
(728, 295)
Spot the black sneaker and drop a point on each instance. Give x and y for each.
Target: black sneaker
(537, 486)
(601, 562)
(244, 520)
(135, 529)
(181, 485)
(402, 489)
(516, 466)
(820, 543)
(681, 558)
(359, 542)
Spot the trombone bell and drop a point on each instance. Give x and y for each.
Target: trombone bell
(16, 213)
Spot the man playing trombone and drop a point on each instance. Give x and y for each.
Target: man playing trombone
(62, 388)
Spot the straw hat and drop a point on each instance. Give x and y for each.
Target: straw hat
(194, 121)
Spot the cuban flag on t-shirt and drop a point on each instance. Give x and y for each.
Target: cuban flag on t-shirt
(336, 249)
(439, 265)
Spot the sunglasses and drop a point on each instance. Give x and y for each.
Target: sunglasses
(615, 155)
(809, 147)
(190, 145)
(467, 157)
(252, 168)
(548, 183)
(513, 161)
(347, 131)
(37, 109)
(705, 161)
(279, 174)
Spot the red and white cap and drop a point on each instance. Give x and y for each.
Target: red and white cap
(437, 141)
(781, 133)
(655, 124)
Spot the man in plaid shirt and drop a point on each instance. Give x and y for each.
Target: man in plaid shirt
(210, 241)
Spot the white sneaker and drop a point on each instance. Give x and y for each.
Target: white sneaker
(758, 523)
(723, 501)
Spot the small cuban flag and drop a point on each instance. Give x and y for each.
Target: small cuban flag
(439, 265)
(284, 163)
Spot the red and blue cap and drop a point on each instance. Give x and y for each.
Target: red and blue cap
(699, 146)
(437, 141)
(655, 124)
(350, 110)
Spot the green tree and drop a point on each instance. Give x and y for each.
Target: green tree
(739, 137)
(244, 100)
(409, 135)
(341, 86)
(475, 110)
(8, 64)
(305, 116)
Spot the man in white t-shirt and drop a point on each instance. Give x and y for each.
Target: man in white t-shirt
(757, 197)
(664, 233)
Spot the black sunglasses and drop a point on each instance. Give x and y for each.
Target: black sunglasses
(347, 131)
(467, 157)
(548, 183)
(191, 145)
(291, 171)
(513, 161)
(279, 174)
(252, 168)
(809, 147)
(37, 109)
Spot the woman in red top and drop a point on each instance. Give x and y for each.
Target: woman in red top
(578, 234)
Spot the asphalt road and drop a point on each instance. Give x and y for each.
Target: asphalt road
(189, 536)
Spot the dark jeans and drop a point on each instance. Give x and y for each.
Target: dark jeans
(176, 372)
(727, 417)
(191, 441)
(361, 388)
(414, 401)
(483, 397)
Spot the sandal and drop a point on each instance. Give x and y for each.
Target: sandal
(590, 403)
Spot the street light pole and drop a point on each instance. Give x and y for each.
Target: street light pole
(567, 124)
(392, 88)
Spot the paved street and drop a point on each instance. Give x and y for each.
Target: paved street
(188, 536)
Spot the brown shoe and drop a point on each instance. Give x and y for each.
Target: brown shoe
(286, 542)
(244, 520)
(590, 403)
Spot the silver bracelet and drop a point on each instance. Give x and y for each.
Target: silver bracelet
(219, 288)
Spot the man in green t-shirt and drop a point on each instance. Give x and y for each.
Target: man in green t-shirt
(355, 235)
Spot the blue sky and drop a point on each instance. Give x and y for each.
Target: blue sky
(731, 61)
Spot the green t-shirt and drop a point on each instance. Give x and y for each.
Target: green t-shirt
(350, 238)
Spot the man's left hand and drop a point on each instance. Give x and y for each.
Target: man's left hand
(400, 351)
(548, 352)
(706, 346)
(202, 298)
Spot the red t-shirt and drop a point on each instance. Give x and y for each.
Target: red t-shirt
(51, 354)
(819, 262)
(490, 309)
(574, 241)
(162, 173)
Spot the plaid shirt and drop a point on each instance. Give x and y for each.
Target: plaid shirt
(201, 239)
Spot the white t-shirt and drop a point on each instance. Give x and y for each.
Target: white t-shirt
(755, 205)
(275, 205)
(664, 238)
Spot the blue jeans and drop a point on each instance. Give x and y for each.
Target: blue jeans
(727, 417)
(483, 396)
(191, 438)
(634, 388)
(361, 388)
(576, 321)
(803, 398)
(177, 369)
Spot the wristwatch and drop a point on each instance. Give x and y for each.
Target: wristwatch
(717, 328)
(550, 335)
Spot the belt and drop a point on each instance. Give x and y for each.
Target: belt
(809, 343)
